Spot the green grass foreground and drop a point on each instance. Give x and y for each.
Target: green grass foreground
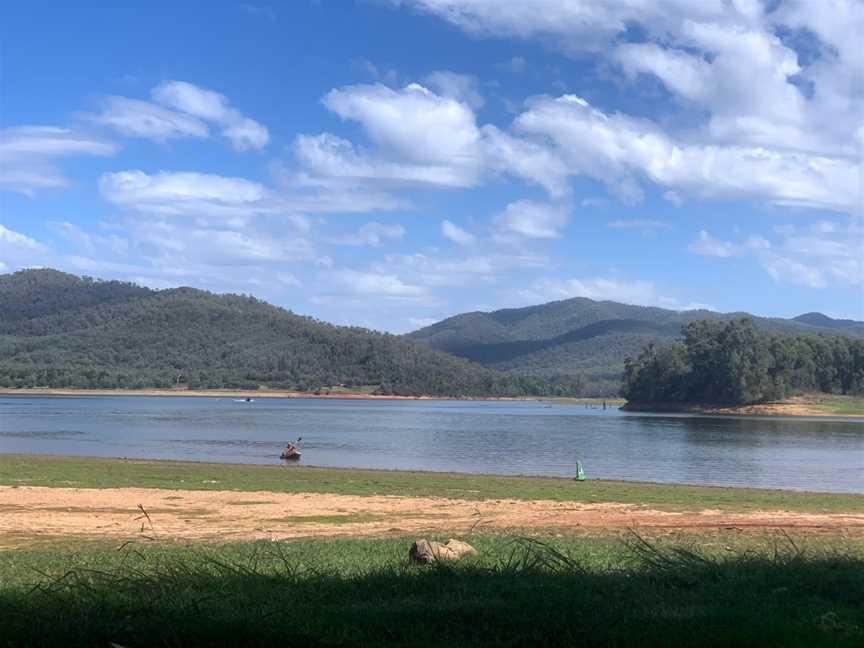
(33, 470)
(517, 592)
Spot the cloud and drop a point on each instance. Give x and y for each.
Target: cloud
(532, 220)
(638, 292)
(424, 138)
(784, 269)
(535, 162)
(242, 132)
(583, 25)
(372, 234)
(621, 151)
(184, 193)
(707, 245)
(91, 244)
(387, 286)
(28, 155)
(18, 250)
(771, 99)
(414, 122)
(815, 256)
(181, 109)
(461, 87)
(421, 137)
(167, 252)
(432, 270)
(135, 118)
(329, 156)
(456, 234)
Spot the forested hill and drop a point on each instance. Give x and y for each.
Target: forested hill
(586, 337)
(58, 330)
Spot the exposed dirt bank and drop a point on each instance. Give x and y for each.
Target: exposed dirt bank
(30, 513)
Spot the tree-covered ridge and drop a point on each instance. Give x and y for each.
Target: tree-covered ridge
(736, 362)
(42, 292)
(587, 338)
(57, 330)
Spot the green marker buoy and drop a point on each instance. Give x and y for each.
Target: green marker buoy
(580, 474)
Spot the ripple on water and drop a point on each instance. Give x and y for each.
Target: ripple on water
(44, 434)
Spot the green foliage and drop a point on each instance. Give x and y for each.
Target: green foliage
(736, 362)
(57, 330)
(586, 338)
(517, 592)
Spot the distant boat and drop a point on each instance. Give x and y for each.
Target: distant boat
(243, 400)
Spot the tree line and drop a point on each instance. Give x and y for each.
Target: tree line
(735, 363)
(57, 330)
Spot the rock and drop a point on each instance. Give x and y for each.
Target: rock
(460, 548)
(424, 551)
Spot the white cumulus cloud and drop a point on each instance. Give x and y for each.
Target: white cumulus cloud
(182, 109)
(532, 220)
(456, 234)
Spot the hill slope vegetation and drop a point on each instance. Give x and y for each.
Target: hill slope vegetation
(58, 330)
(736, 363)
(587, 338)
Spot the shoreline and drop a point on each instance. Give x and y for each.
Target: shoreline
(795, 407)
(384, 473)
(278, 393)
(75, 498)
(223, 393)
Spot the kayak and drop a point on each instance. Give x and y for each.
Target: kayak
(293, 455)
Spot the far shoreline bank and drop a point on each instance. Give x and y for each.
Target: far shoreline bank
(811, 406)
(274, 393)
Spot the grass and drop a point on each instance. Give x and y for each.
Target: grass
(31, 470)
(840, 405)
(517, 592)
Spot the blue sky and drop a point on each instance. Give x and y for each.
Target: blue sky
(390, 163)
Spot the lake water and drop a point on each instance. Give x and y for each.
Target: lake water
(530, 438)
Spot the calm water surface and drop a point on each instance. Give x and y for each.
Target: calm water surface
(531, 438)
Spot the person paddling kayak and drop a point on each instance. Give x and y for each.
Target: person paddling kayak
(291, 451)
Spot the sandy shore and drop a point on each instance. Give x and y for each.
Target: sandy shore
(31, 513)
(803, 406)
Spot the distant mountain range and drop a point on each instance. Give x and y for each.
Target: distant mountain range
(59, 330)
(586, 337)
